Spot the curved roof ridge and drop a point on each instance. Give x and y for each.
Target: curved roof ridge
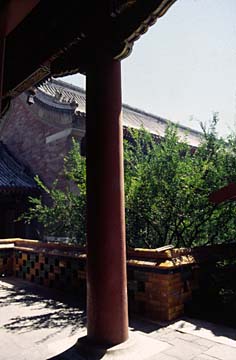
(67, 85)
(13, 174)
(159, 118)
(129, 107)
(65, 93)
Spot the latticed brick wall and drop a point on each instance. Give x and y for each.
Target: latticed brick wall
(6, 262)
(50, 270)
(156, 289)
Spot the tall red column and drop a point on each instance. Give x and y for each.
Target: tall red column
(3, 33)
(2, 56)
(106, 281)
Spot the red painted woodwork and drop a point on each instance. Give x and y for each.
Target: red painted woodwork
(2, 52)
(226, 193)
(15, 11)
(48, 37)
(60, 40)
(107, 288)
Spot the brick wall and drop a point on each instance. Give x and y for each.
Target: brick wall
(159, 294)
(57, 271)
(6, 262)
(153, 293)
(156, 289)
(24, 130)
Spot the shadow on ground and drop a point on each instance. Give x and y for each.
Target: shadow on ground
(27, 307)
(83, 349)
(144, 326)
(195, 325)
(51, 308)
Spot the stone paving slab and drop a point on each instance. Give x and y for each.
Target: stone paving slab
(222, 352)
(41, 324)
(221, 334)
(204, 357)
(32, 318)
(162, 356)
(204, 342)
(182, 349)
(138, 347)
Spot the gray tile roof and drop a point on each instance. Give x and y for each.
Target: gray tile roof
(60, 93)
(13, 175)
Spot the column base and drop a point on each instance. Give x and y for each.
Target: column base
(138, 347)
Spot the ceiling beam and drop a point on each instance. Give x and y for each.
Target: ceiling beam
(15, 11)
(224, 194)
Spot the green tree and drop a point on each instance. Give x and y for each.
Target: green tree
(167, 185)
(64, 214)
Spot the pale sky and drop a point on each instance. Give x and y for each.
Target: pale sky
(184, 67)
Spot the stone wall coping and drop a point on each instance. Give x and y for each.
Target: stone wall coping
(6, 246)
(51, 253)
(27, 243)
(152, 257)
(142, 258)
(157, 254)
(148, 258)
(166, 264)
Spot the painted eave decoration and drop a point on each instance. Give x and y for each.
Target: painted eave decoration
(58, 38)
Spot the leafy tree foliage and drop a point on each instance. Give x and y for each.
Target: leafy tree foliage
(167, 185)
(65, 213)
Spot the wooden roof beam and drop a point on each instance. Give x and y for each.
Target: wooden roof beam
(14, 11)
(226, 193)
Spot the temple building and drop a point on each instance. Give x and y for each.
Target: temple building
(16, 185)
(35, 44)
(47, 118)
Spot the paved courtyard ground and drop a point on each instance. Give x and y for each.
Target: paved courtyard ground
(38, 324)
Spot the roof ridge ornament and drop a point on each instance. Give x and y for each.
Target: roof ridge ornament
(31, 94)
(119, 6)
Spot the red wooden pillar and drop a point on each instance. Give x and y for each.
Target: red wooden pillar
(106, 283)
(2, 56)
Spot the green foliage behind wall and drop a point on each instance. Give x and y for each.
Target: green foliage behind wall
(167, 185)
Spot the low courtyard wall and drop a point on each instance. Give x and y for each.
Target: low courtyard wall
(160, 283)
